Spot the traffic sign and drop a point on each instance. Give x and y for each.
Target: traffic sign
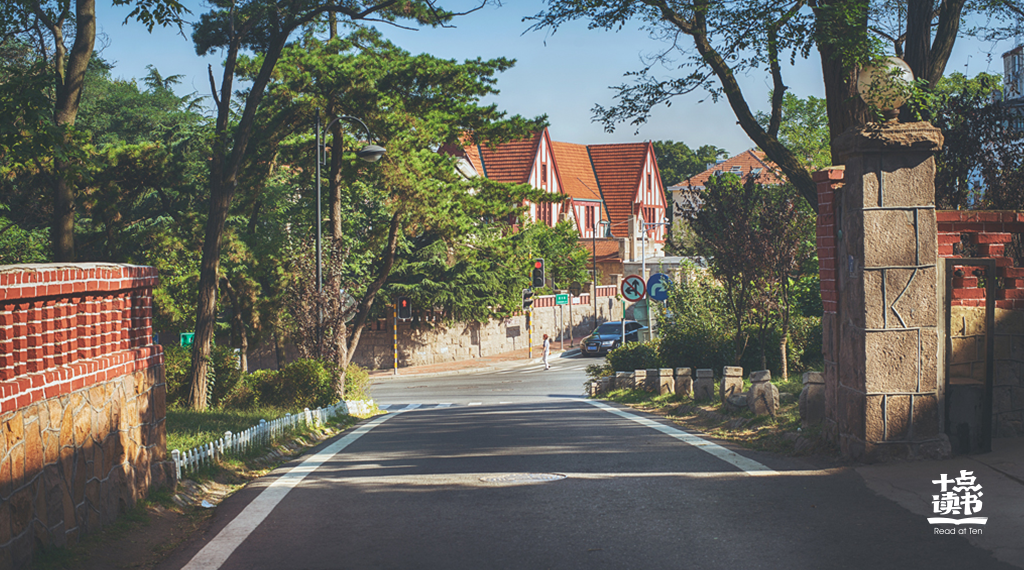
(187, 339)
(633, 288)
(575, 288)
(561, 299)
(657, 287)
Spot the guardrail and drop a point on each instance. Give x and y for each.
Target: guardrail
(261, 434)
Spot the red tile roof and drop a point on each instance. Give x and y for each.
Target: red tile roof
(607, 248)
(575, 173)
(742, 164)
(618, 168)
(507, 162)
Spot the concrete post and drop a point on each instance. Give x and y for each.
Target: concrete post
(885, 378)
(666, 381)
(684, 382)
(732, 382)
(812, 399)
(704, 386)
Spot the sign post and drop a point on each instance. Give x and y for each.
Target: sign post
(575, 288)
(561, 300)
(633, 289)
(657, 290)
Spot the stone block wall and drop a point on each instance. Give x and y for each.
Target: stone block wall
(82, 433)
(431, 341)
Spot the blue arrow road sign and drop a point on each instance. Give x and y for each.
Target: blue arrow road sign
(657, 287)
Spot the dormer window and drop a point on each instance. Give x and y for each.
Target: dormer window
(737, 170)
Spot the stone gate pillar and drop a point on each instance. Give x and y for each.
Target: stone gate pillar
(886, 347)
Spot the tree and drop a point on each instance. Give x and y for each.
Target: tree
(264, 27)
(732, 38)
(677, 162)
(755, 237)
(803, 128)
(981, 164)
(45, 22)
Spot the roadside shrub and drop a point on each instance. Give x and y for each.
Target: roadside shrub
(177, 361)
(803, 349)
(305, 383)
(224, 364)
(695, 330)
(357, 383)
(247, 391)
(600, 370)
(634, 356)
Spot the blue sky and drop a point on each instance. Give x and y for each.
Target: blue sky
(562, 75)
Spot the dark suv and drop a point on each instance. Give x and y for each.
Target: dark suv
(608, 336)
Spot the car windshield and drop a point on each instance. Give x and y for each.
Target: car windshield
(609, 328)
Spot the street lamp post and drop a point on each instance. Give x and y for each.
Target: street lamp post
(369, 153)
(643, 266)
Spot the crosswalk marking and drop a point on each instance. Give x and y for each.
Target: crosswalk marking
(444, 405)
(476, 403)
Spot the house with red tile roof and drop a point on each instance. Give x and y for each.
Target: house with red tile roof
(686, 194)
(615, 186)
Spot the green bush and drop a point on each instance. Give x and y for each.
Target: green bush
(226, 373)
(803, 350)
(357, 383)
(177, 361)
(695, 330)
(634, 356)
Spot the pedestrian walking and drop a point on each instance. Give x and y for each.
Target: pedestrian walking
(547, 352)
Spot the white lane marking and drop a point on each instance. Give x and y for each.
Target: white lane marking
(476, 403)
(748, 466)
(217, 551)
(444, 405)
(410, 407)
(384, 406)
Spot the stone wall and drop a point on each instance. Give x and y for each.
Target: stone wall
(82, 434)
(430, 342)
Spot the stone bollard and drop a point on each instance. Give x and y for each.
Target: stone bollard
(763, 396)
(623, 380)
(684, 382)
(812, 399)
(639, 380)
(651, 381)
(704, 386)
(666, 381)
(732, 382)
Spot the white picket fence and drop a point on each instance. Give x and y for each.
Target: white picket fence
(262, 434)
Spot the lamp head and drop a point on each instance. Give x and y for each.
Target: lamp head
(885, 86)
(371, 153)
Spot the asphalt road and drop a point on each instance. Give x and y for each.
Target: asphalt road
(552, 481)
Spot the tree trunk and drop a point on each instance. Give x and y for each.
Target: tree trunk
(363, 313)
(224, 167)
(69, 77)
(843, 103)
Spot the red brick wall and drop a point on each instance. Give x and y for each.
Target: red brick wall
(66, 327)
(989, 231)
(828, 181)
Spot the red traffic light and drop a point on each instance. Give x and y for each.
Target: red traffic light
(405, 302)
(538, 263)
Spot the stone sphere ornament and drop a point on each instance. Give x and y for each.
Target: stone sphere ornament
(886, 87)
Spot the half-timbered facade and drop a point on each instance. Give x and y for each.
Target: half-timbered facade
(608, 185)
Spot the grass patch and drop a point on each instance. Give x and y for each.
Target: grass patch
(187, 428)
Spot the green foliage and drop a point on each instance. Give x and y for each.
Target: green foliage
(634, 356)
(301, 384)
(600, 370)
(677, 162)
(803, 128)
(357, 383)
(188, 428)
(695, 331)
(803, 349)
(177, 361)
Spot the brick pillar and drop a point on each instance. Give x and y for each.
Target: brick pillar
(830, 183)
(887, 279)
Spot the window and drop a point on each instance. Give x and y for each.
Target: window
(543, 175)
(736, 170)
(588, 218)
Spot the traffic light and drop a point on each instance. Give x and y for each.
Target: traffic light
(404, 308)
(538, 273)
(527, 299)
